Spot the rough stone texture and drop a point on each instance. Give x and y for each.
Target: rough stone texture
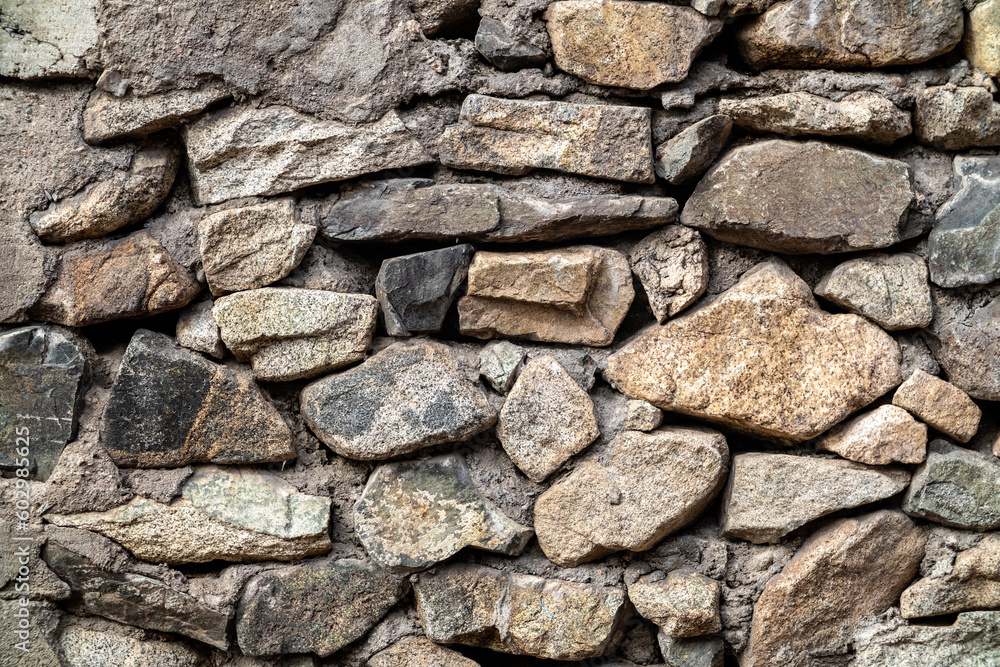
(698, 652)
(887, 434)
(419, 652)
(415, 292)
(642, 416)
(956, 487)
(683, 603)
(39, 44)
(786, 196)
(940, 404)
(966, 342)
(631, 493)
(443, 16)
(786, 349)
(197, 330)
(770, 495)
(615, 43)
(250, 247)
(672, 265)
(504, 51)
(288, 334)
(81, 647)
(982, 37)
(688, 154)
(334, 271)
(318, 607)
(170, 407)
(110, 116)
(499, 363)
(406, 397)
(515, 136)
(957, 117)
(414, 514)
(850, 569)
(971, 584)
(972, 640)
(890, 290)
(480, 606)
(23, 271)
(546, 419)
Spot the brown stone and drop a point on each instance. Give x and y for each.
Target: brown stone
(419, 652)
(973, 582)
(982, 37)
(891, 290)
(109, 116)
(941, 404)
(691, 151)
(24, 265)
(683, 603)
(887, 434)
(957, 117)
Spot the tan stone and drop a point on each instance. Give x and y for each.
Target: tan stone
(683, 603)
(957, 117)
(973, 583)
(419, 652)
(562, 280)
(109, 116)
(982, 37)
(197, 330)
(887, 434)
(891, 290)
(940, 404)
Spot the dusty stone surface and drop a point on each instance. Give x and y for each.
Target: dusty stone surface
(982, 38)
(672, 265)
(82, 647)
(24, 266)
(696, 652)
(499, 363)
(957, 117)
(971, 639)
(688, 154)
(971, 584)
(956, 487)
(940, 404)
(887, 434)
(682, 603)
(415, 292)
(504, 51)
(890, 290)
(39, 44)
(419, 652)
(682, 367)
(966, 342)
(333, 270)
(197, 330)
(642, 416)
(109, 116)
(631, 493)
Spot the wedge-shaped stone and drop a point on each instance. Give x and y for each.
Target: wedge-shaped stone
(770, 495)
(499, 363)
(406, 397)
(683, 603)
(972, 640)
(417, 513)
(982, 37)
(788, 197)
(246, 151)
(955, 118)
(419, 652)
(956, 487)
(317, 607)
(516, 136)
(197, 330)
(940, 404)
(973, 583)
(851, 569)
(887, 434)
(631, 493)
(234, 514)
(891, 290)
(415, 292)
(672, 264)
(761, 358)
(170, 407)
(109, 116)
(506, 612)
(691, 151)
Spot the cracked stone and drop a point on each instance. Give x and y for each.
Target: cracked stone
(415, 292)
(956, 118)
(688, 154)
(672, 265)
(39, 42)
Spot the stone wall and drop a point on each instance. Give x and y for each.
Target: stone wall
(410, 333)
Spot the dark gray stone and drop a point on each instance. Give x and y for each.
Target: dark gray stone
(416, 291)
(504, 51)
(693, 652)
(965, 340)
(956, 487)
(687, 155)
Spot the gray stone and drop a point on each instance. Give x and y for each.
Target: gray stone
(973, 640)
(672, 265)
(966, 341)
(956, 487)
(197, 330)
(419, 652)
(957, 117)
(444, 16)
(642, 416)
(23, 271)
(696, 652)
(971, 583)
(43, 635)
(499, 363)
(682, 603)
(687, 155)
(43, 42)
(334, 271)
(504, 51)
(940, 404)
(891, 290)
(415, 292)
(82, 647)
(109, 116)
(887, 434)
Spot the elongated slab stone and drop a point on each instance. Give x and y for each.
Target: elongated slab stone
(419, 652)
(956, 487)
(108, 116)
(972, 640)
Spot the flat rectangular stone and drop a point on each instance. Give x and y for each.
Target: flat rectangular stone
(554, 279)
(109, 117)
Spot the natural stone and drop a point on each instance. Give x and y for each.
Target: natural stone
(956, 118)
(966, 342)
(691, 652)
(334, 271)
(23, 271)
(81, 647)
(851, 569)
(480, 606)
(287, 334)
(890, 290)
(688, 154)
(109, 116)
(683, 603)
(786, 196)
(940, 404)
(504, 51)
(887, 434)
(406, 397)
(516, 136)
(197, 330)
(546, 419)
(170, 407)
(42, 42)
(982, 36)
(631, 493)
(972, 640)
(956, 487)
(444, 16)
(318, 607)
(419, 652)
(770, 495)
(499, 363)
(672, 265)
(417, 513)
(234, 514)
(642, 416)
(615, 43)
(973, 583)
(754, 357)
(415, 292)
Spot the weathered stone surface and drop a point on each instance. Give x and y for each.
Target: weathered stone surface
(38, 41)
(940, 404)
(672, 265)
(131, 277)
(503, 611)
(516, 136)
(955, 118)
(109, 116)
(197, 330)
(688, 154)
(572, 295)
(631, 493)
(245, 151)
(770, 495)
(42, 376)
(444, 16)
(683, 603)
(754, 356)
(318, 607)
(982, 37)
(417, 513)
(615, 43)
(499, 363)
(416, 291)
(234, 514)
(891, 290)
(504, 51)
(787, 196)
(973, 640)
(419, 652)
(851, 569)
(973, 583)
(334, 271)
(287, 334)
(806, 33)
(887, 434)
(406, 397)
(170, 407)
(546, 419)
(956, 487)
(250, 247)
(23, 271)
(81, 647)
(865, 116)
(696, 652)
(966, 342)
(642, 416)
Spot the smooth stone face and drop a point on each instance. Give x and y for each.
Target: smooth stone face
(642, 416)
(318, 607)
(23, 271)
(615, 43)
(974, 639)
(480, 606)
(786, 196)
(109, 116)
(250, 247)
(973, 583)
(851, 569)
(406, 397)
(966, 342)
(197, 330)
(696, 652)
(982, 37)
(940, 404)
(39, 42)
(561, 280)
(499, 362)
(505, 52)
(683, 603)
(761, 377)
(419, 652)
(235, 514)
(887, 434)
(672, 265)
(631, 493)
(956, 118)
(80, 647)
(890, 290)
(770, 495)
(170, 407)
(546, 419)
(516, 136)
(417, 513)
(42, 375)
(244, 151)
(687, 155)
(416, 291)
(956, 487)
